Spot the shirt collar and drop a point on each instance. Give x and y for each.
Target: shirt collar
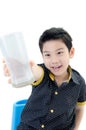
(74, 77)
(71, 76)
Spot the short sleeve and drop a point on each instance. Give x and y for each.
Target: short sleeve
(82, 94)
(40, 80)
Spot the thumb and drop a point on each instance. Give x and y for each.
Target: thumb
(32, 63)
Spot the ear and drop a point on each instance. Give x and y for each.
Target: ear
(72, 52)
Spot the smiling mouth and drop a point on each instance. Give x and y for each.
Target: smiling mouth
(56, 67)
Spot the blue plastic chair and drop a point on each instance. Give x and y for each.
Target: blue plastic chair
(16, 114)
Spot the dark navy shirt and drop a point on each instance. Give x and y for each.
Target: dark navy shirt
(51, 107)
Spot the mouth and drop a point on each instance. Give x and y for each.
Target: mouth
(56, 68)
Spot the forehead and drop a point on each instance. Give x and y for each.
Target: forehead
(53, 45)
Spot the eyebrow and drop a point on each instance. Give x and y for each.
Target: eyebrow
(54, 50)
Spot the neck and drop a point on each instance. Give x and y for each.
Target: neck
(60, 79)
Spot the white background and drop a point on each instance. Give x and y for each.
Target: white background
(32, 17)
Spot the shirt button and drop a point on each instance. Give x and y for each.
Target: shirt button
(56, 92)
(52, 111)
(42, 126)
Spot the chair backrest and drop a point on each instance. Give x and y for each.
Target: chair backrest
(16, 114)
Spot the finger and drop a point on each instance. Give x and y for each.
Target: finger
(32, 63)
(9, 81)
(6, 71)
(4, 66)
(3, 60)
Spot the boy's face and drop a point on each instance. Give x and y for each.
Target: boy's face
(56, 56)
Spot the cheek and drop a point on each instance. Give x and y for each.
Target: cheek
(46, 62)
(66, 60)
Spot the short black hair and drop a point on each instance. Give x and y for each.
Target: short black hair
(55, 34)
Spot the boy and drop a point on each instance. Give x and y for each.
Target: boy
(59, 92)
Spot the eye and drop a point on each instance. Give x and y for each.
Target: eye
(47, 55)
(60, 52)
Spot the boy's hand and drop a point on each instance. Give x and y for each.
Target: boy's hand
(36, 70)
(6, 70)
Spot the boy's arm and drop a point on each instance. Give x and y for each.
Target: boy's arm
(79, 114)
(37, 71)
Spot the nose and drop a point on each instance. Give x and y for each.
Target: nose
(54, 60)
